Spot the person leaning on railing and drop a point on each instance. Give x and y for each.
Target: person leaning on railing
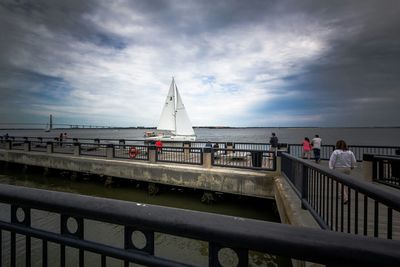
(343, 160)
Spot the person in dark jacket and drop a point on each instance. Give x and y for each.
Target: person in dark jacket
(273, 141)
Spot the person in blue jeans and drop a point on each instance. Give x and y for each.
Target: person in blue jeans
(316, 145)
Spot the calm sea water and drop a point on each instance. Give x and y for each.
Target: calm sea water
(353, 136)
(182, 249)
(191, 251)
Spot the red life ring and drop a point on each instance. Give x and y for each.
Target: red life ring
(133, 152)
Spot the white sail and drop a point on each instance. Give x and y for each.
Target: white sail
(173, 119)
(183, 124)
(167, 118)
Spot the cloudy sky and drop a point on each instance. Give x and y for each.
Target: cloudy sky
(236, 63)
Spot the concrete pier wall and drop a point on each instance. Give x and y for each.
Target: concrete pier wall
(227, 180)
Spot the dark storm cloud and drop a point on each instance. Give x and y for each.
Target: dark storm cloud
(351, 79)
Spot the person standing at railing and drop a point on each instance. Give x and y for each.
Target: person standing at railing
(159, 146)
(343, 160)
(273, 141)
(61, 139)
(306, 148)
(316, 146)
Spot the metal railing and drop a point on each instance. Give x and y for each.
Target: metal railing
(74, 213)
(90, 149)
(386, 170)
(18, 144)
(186, 155)
(297, 151)
(39, 146)
(368, 210)
(359, 151)
(63, 147)
(237, 158)
(252, 146)
(240, 158)
(122, 152)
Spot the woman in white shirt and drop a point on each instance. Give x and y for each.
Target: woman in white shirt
(343, 160)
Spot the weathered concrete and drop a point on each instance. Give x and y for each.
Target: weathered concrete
(289, 205)
(290, 212)
(235, 181)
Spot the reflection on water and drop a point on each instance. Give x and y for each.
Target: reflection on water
(166, 246)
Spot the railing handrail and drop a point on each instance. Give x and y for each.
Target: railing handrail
(332, 145)
(194, 142)
(309, 244)
(394, 158)
(387, 197)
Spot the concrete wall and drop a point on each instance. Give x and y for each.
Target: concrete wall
(290, 212)
(228, 180)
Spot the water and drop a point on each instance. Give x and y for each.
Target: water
(353, 136)
(189, 251)
(186, 250)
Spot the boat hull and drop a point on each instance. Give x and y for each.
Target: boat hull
(178, 138)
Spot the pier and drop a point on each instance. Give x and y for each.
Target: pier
(318, 226)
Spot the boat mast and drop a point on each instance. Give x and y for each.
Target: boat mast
(173, 81)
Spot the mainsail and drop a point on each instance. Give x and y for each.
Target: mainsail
(167, 118)
(174, 117)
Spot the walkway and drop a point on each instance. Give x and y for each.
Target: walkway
(350, 217)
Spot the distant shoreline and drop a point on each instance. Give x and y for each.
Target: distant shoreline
(213, 127)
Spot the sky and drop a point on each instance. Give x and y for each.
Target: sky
(266, 63)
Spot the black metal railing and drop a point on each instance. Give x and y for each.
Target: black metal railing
(240, 158)
(93, 149)
(38, 146)
(63, 147)
(252, 146)
(341, 203)
(186, 155)
(386, 170)
(297, 151)
(18, 144)
(76, 213)
(204, 144)
(359, 151)
(132, 151)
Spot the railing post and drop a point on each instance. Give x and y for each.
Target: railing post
(152, 154)
(229, 146)
(49, 147)
(27, 145)
(77, 149)
(277, 163)
(97, 142)
(367, 165)
(304, 186)
(186, 149)
(207, 158)
(110, 151)
(8, 145)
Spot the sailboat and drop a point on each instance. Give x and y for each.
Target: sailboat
(49, 125)
(174, 123)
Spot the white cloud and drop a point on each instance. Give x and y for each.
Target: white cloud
(246, 63)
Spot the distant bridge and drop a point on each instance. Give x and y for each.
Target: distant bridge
(19, 125)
